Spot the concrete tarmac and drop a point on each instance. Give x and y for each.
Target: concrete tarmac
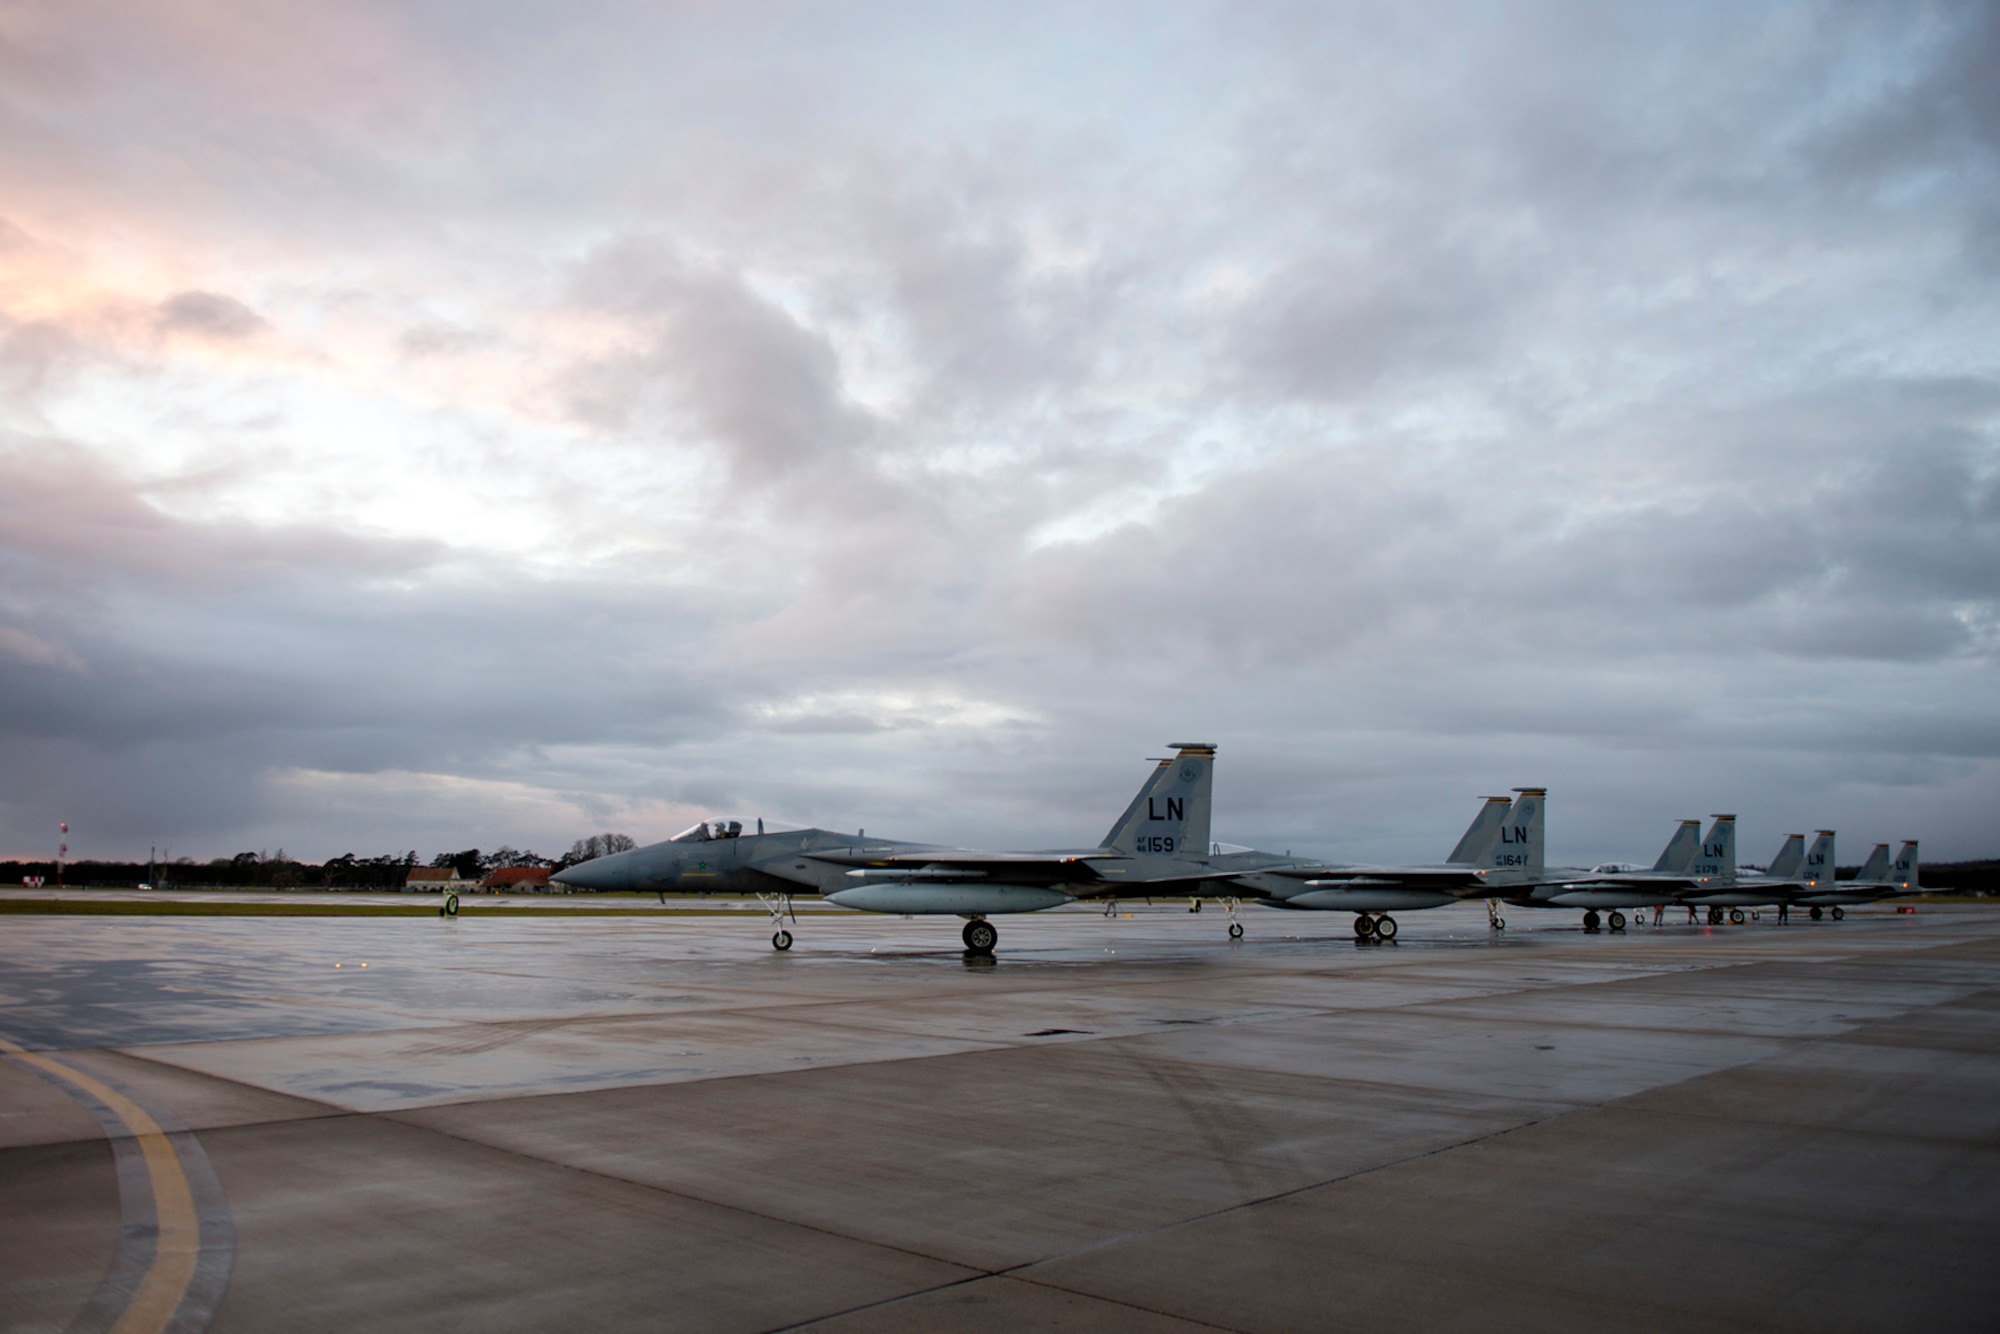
(1126, 1123)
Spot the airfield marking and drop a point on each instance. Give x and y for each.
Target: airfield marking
(174, 1253)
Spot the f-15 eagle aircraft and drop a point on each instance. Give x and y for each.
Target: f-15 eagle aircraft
(1614, 887)
(1502, 847)
(1160, 842)
(1699, 872)
(1878, 880)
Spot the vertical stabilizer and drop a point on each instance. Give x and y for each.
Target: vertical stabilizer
(1518, 849)
(1680, 849)
(1785, 866)
(1482, 833)
(1905, 874)
(1170, 816)
(1875, 871)
(1716, 859)
(1818, 865)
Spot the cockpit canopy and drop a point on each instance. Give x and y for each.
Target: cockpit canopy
(709, 829)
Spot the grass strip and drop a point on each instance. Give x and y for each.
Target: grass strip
(187, 908)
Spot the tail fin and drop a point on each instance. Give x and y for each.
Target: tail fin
(1819, 863)
(1482, 833)
(1170, 814)
(1519, 846)
(1680, 849)
(1717, 858)
(1785, 866)
(1906, 866)
(1875, 871)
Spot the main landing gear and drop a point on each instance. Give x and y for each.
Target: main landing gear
(780, 908)
(1736, 917)
(1377, 927)
(1591, 920)
(979, 936)
(1229, 905)
(1494, 921)
(1839, 913)
(1715, 917)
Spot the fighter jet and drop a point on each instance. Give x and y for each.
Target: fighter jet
(1161, 842)
(1612, 886)
(1710, 878)
(1503, 846)
(1878, 880)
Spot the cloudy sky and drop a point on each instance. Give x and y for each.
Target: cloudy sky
(434, 425)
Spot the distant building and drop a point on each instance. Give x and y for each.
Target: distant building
(435, 880)
(516, 880)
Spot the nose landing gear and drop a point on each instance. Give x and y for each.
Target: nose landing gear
(780, 908)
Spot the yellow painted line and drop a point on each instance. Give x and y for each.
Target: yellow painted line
(179, 1243)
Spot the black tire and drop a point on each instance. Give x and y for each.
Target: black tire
(1838, 914)
(980, 937)
(1816, 914)
(1364, 927)
(1236, 930)
(1385, 928)
(1736, 917)
(1590, 922)
(1617, 920)
(450, 908)
(782, 940)
(1499, 924)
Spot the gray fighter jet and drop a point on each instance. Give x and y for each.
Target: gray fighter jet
(1502, 847)
(1878, 880)
(1701, 872)
(1614, 887)
(1160, 843)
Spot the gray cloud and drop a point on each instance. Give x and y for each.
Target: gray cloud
(210, 315)
(911, 419)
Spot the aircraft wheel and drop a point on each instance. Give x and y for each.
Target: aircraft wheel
(1838, 914)
(1364, 926)
(1385, 928)
(1816, 914)
(980, 937)
(1590, 920)
(1715, 917)
(1736, 917)
(782, 940)
(1617, 920)
(450, 908)
(1499, 924)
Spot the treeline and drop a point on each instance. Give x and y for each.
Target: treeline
(258, 870)
(1962, 878)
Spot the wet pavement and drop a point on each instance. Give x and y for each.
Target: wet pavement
(1119, 1123)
